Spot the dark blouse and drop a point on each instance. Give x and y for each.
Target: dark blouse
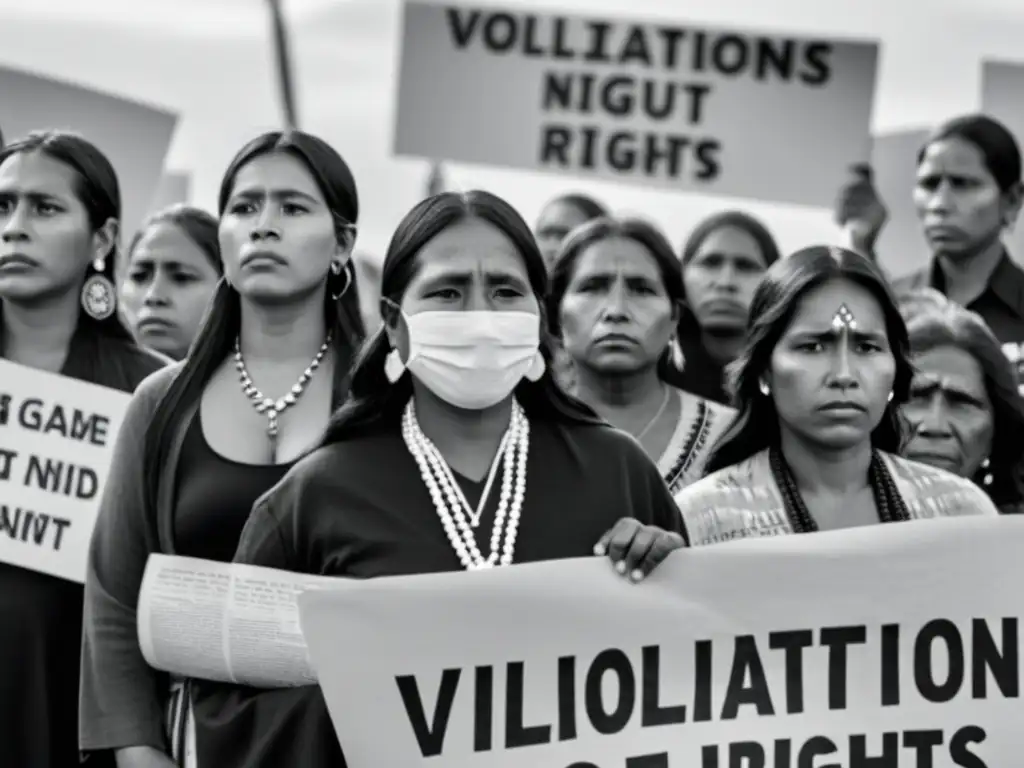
(124, 700)
(1000, 305)
(214, 496)
(41, 615)
(360, 509)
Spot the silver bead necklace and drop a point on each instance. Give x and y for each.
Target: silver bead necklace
(268, 406)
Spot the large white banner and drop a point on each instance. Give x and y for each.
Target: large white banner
(56, 442)
(896, 645)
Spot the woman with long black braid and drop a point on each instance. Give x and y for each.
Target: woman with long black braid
(824, 370)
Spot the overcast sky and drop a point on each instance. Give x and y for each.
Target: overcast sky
(208, 59)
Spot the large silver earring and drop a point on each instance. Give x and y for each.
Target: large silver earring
(99, 297)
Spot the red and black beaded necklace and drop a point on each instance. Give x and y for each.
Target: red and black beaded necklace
(888, 500)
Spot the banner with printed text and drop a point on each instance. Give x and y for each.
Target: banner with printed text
(56, 442)
(755, 114)
(896, 645)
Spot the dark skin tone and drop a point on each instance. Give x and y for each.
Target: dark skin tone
(473, 266)
(636, 549)
(949, 411)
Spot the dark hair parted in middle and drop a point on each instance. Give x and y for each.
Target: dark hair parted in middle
(740, 220)
(373, 400)
(223, 319)
(997, 145)
(99, 191)
(198, 225)
(639, 231)
(772, 310)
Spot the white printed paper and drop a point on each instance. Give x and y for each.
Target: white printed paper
(224, 622)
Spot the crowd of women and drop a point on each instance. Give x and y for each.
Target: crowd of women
(629, 398)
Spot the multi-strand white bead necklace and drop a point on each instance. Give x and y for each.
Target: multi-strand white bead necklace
(457, 517)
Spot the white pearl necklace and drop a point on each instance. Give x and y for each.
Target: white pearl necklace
(453, 510)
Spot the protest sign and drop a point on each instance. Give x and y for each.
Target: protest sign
(756, 114)
(134, 136)
(885, 646)
(56, 442)
(901, 247)
(1002, 96)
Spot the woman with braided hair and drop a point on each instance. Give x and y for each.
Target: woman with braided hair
(819, 384)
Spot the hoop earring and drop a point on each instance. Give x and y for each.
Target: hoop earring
(337, 269)
(99, 297)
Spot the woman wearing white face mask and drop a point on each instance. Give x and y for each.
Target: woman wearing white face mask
(457, 450)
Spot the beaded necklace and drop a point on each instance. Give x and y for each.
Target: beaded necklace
(888, 500)
(454, 512)
(268, 406)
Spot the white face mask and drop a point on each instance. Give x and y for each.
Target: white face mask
(473, 360)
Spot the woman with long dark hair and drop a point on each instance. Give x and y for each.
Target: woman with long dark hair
(173, 268)
(964, 413)
(820, 383)
(204, 439)
(723, 260)
(457, 450)
(615, 298)
(60, 210)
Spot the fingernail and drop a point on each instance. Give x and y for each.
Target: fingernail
(636, 575)
(599, 550)
(620, 567)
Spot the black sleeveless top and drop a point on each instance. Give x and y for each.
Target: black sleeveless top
(213, 497)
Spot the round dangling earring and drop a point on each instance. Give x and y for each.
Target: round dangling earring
(393, 366)
(890, 397)
(765, 389)
(99, 298)
(987, 477)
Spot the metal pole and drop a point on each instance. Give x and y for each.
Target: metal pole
(436, 182)
(284, 65)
